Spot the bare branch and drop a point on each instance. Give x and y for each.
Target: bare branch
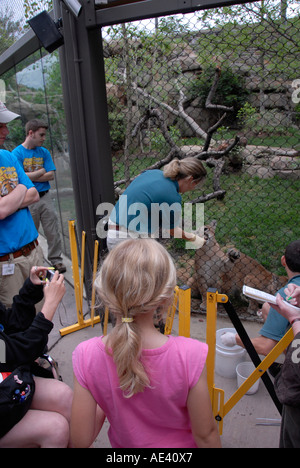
(179, 113)
(211, 130)
(212, 92)
(219, 194)
(212, 158)
(204, 155)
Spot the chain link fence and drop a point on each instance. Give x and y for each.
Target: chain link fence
(14, 15)
(219, 85)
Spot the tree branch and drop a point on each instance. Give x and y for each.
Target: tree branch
(212, 92)
(179, 113)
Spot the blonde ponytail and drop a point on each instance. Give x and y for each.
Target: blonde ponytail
(179, 169)
(137, 277)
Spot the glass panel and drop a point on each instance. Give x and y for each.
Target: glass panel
(33, 90)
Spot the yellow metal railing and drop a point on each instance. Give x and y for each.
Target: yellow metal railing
(79, 283)
(182, 295)
(220, 408)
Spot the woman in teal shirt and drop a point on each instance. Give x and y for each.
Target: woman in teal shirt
(153, 201)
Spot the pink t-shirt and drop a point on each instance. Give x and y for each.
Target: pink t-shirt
(156, 417)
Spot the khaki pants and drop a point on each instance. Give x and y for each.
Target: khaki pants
(11, 284)
(44, 212)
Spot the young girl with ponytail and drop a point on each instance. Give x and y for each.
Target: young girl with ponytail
(151, 387)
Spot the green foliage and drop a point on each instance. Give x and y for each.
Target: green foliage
(247, 116)
(297, 112)
(257, 216)
(231, 89)
(158, 142)
(8, 29)
(116, 118)
(32, 7)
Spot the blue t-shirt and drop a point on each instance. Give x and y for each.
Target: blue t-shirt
(34, 159)
(151, 201)
(275, 327)
(18, 229)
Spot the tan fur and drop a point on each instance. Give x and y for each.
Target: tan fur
(229, 272)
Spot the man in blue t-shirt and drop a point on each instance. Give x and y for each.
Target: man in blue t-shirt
(39, 167)
(19, 249)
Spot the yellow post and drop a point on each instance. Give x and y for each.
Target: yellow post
(259, 370)
(212, 299)
(82, 268)
(216, 394)
(78, 285)
(105, 323)
(184, 311)
(75, 269)
(95, 268)
(220, 409)
(171, 313)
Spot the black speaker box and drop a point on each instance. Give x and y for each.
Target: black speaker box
(46, 31)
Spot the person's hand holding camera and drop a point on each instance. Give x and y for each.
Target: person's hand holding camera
(54, 291)
(38, 274)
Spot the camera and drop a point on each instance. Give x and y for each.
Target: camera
(49, 275)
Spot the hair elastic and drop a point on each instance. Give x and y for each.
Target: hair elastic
(127, 319)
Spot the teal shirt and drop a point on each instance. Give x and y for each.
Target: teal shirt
(17, 229)
(275, 327)
(151, 201)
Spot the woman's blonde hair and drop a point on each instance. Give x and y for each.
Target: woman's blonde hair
(137, 277)
(179, 169)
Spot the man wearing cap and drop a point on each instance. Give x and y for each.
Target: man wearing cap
(19, 249)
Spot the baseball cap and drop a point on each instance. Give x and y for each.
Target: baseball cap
(6, 115)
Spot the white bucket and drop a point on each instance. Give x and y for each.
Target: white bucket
(243, 371)
(227, 357)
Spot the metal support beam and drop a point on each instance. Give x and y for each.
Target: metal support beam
(84, 90)
(147, 9)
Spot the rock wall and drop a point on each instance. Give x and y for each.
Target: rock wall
(265, 162)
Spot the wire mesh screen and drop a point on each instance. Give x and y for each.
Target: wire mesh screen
(14, 15)
(220, 86)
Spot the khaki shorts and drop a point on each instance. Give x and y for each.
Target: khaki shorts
(10, 285)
